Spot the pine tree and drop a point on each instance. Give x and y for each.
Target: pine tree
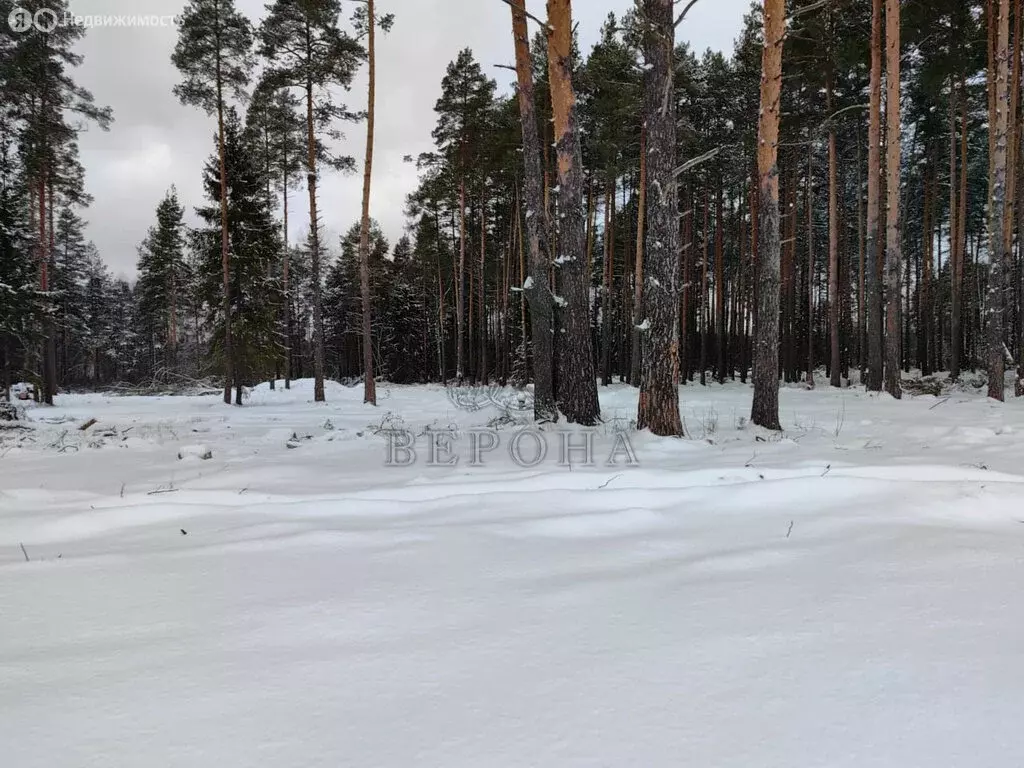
(41, 92)
(366, 19)
(893, 263)
(306, 49)
(765, 410)
(577, 387)
(467, 98)
(659, 395)
(537, 288)
(997, 276)
(214, 56)
(872, 288)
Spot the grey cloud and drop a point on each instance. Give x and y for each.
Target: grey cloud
(156, 142)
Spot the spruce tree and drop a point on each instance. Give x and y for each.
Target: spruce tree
(255, 245)
(163, 276)
(277, 129)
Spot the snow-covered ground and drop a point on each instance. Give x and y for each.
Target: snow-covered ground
(846, 595)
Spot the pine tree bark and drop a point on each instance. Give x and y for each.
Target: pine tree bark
(810, 265)
(314, 236)
(659, 396)
(369, 383)
(638, 277)
(765, 408)
(924, 302)
(577, 384)
(861, 269)
(873, 291)
(285, 277)
(606, 284)
(225, 252)
(995, 295)
(483, 375)
(721, 333)
(686, 254)
(955, 278)
(538, 292)
(460, 289)
(835, 363)
(893, 262)
(704, 294)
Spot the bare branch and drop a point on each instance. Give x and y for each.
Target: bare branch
(809, 8)
(693, 162)
(686, 10)
(521, 4)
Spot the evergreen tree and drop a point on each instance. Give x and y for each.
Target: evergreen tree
(214, 56)
(577, 389)
(306, 49)
(276, 128)
(19, 298)
(765, 410)
(255, 245)
(659, 395)
(463, 110)
(163, 276)
(41, 94)
(71, 258)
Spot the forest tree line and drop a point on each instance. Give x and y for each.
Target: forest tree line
(839, 193)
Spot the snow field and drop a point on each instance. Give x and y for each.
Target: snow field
(841, 595)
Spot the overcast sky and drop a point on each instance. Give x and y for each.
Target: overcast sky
(156, 142)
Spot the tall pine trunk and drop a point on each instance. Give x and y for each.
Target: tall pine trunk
(995, 296)
(872, 288)
(369, 383)
(835, 364)
(577, 384)
(225, 253)
(720, 329)
(285, 276)
(314, 239)
(659, 396)
(460, 289)
(893, 264)
(765, 408)
(810, 264)
(538, 291)
(638, 278)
